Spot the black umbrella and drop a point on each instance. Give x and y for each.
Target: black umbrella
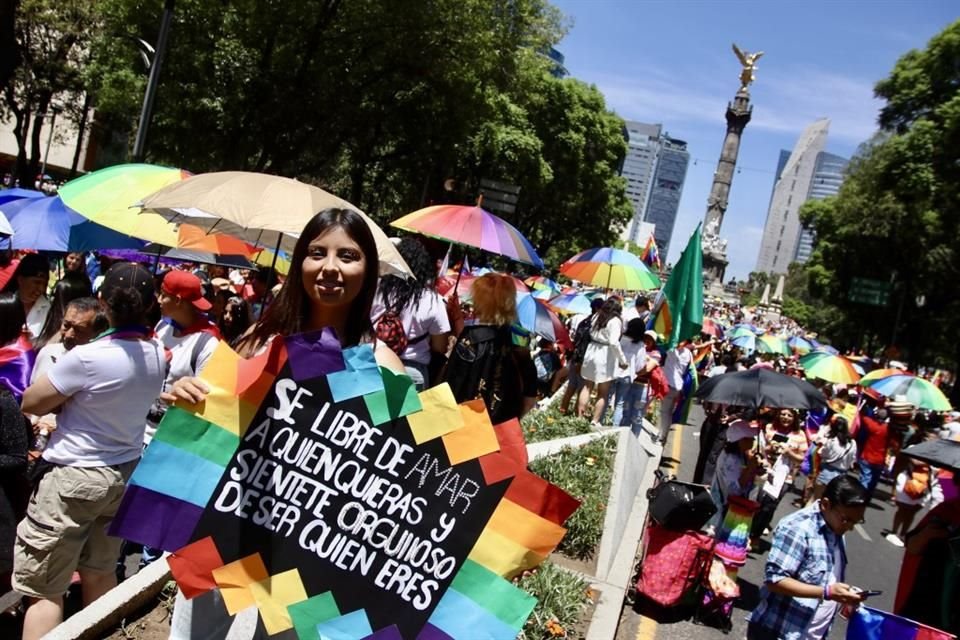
(944, 454)
(761, 387)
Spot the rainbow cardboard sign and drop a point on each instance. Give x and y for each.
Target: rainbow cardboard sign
(325, 491)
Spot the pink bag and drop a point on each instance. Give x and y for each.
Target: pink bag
(674, 563)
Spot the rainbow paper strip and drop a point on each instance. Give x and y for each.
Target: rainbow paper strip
(734, 533)
(871, 624)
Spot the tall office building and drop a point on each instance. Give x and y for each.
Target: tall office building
(666, 189)
(655, 169)
(827, 177)
(781, 233)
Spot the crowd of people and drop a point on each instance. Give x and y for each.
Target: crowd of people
(93, 350)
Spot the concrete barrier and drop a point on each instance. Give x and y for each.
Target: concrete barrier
(108, 611)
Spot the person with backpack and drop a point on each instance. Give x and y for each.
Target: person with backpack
(409, 316)
(548, 364)
(491, 359)
(603, 359)
(580, 327)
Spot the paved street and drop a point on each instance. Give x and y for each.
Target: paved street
(874, 562)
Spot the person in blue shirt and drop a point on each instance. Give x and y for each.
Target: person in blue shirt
(804, 574)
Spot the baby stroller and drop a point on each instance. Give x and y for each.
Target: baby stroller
(676, 555)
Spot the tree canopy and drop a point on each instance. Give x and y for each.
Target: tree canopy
(381, 103)
(897, 216)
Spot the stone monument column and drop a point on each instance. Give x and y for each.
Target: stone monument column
(738, 115)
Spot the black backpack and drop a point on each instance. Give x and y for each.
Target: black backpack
(581, 338)
(483, 364)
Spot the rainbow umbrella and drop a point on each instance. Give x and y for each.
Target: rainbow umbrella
(743, 331)
(543, 294)
(877, 374)
(535, 316)
(539, 283)
(610, 268)
(919, 392)
(829, 367)
(800, 345)
(746, 341)
(471, 226)
(108, 197)
(772, 344)
(16, 193)
(446, 284)
(570, 303)
(712, 328)
(47, 224)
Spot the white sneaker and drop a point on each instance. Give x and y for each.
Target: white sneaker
(893, 539)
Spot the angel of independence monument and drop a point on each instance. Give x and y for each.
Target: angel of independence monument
(738, 115)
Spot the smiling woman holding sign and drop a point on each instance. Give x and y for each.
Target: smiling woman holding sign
(333, 287)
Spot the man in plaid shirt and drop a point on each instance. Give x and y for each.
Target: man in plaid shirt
(803, 578)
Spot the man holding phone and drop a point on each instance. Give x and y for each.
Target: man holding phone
(803, 578)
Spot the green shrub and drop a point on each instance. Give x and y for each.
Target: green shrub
(550, 424)
(562, 598)
(585, 473)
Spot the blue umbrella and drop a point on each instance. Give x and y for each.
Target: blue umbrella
(16, 193)
(536, 317)
(47, 224)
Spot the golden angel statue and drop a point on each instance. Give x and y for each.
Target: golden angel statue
(749, 62)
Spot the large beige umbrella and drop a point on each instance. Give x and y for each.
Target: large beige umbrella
(268, 211)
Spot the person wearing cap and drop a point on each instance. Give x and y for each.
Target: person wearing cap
(186, 333)
(102, 389)
(738, 466)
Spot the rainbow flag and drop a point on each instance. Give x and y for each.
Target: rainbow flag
(678, 309)
(872, 624)
(16, 363)
(651, 256)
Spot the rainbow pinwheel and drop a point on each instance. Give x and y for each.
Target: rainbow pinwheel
(570, 303)
(610, 268)
(919, 392)
(471, 226)
(829, 367)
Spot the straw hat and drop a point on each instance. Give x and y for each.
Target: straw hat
(900, 406)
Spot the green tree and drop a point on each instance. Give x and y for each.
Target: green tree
(897, 216)
(52, 39)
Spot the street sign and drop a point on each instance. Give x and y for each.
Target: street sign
(871, 292)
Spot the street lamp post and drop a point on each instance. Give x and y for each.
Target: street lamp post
(146, 112)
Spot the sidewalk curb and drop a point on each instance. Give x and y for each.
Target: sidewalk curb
(107, 611)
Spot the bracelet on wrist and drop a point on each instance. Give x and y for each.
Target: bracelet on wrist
(826, 592)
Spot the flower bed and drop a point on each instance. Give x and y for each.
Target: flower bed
(563, 600)
(584, 472)
(550, 424)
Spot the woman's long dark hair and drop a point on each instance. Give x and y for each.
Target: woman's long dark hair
(290, 311)
(840, 430)
(30, 265)
(611, 309)
(12, 318)
(71, 286)
(232, 331)
(397, 293)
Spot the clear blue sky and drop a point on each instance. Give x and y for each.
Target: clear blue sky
(671, 63)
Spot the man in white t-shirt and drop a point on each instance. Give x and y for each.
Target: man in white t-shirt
(640, 309)
(103, 389)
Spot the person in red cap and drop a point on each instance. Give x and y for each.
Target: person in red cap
(185, 331)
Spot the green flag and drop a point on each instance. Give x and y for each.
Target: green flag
(678, 309)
